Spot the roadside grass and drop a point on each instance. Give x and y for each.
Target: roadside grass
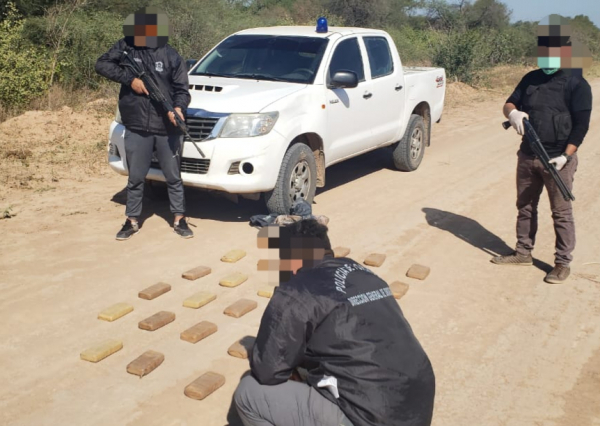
(7, 213)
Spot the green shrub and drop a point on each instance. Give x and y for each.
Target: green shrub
(24, 67)
(415, 46)
(462, 54)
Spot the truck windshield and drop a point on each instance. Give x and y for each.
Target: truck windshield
(265, 57)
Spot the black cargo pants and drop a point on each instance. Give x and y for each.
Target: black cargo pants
(139, 147)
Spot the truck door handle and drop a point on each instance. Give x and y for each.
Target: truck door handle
(367, 95)
(398, 87)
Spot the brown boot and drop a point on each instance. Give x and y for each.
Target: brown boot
(513, 259)
(558, 275)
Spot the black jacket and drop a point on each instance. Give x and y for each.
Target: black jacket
(138, 112)
(559, 108)
(339, 319)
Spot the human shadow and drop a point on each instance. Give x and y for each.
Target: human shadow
(472, 232)
(199, 205)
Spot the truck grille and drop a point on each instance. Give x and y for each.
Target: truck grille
(200, 128)
(196, 166)
(189, 165)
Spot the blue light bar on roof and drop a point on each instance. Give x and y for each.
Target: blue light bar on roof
(322, 25)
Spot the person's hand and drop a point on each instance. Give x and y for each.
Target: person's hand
(172, 116)
(559, 162)
(138, 87)
(516, 120)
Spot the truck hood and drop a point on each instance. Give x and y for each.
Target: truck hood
(232, 95)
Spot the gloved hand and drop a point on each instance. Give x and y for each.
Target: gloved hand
(559, 162)
(516, 120)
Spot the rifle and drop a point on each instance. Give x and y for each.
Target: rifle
(156, 95)
(538, 149)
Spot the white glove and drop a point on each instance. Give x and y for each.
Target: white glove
(559, 162)
(516, 120)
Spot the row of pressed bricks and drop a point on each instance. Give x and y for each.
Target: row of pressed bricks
(150, 360)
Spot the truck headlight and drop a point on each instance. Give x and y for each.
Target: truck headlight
(248, 125)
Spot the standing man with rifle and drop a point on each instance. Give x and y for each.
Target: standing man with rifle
(148, 110)
(557, 102)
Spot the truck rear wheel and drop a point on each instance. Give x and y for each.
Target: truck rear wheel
(411, 148)
(297, 179)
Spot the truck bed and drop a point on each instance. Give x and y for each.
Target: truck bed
(426, 84)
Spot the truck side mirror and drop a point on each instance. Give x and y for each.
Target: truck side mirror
(190, 63)
(343, 80)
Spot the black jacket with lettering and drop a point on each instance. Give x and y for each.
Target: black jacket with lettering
(138, 112)
(339, 319)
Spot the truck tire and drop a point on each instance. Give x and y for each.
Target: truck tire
(411, 148)
(297, 179)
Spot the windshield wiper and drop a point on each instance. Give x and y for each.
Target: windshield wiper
(255, 76)
(212, 74)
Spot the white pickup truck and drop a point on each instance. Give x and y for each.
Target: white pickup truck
(274, 107)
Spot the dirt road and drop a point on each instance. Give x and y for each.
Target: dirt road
(507, 348)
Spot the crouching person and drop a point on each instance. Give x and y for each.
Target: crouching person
(338, 323)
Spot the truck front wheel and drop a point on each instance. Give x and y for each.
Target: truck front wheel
(411, 148)
(297, 179)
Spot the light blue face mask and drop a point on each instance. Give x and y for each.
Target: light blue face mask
(550, 71)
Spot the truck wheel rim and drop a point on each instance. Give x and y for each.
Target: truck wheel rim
(416, 143)
(300, 181)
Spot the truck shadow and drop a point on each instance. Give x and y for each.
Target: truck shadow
(472, 232)
(199, 205)
(357, 167)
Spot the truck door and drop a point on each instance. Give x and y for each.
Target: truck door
(387, 79)
(347, 129)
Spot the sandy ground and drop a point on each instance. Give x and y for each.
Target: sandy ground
(507, 348)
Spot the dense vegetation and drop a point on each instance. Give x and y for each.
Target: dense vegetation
(56, 42)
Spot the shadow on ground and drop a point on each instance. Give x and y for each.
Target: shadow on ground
(199, 204)
(472, 232)
(358, 167)
(209, 205)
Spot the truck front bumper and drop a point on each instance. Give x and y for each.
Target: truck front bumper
(237, 165)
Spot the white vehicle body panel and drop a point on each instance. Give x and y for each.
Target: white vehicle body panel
(347, 121)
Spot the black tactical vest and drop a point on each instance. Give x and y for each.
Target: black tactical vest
(548, 108)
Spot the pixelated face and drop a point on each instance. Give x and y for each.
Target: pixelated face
(556, 47)
(147, 27)
(287, 253)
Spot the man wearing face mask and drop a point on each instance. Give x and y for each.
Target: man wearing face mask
(557, 100)
(148, 127)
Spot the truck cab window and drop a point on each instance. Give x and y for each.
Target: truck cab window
(347, 57)
(292, 59)
(380, 57)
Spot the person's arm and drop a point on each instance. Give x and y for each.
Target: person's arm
(508, 108)
(512, 108)
(108, 66)
(180, 92)
(581, 113)
(281, 340)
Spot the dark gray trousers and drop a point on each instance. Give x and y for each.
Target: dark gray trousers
(531, 180)
(139, 147)
(288, 404)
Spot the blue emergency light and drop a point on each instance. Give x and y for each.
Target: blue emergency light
(322, 25)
